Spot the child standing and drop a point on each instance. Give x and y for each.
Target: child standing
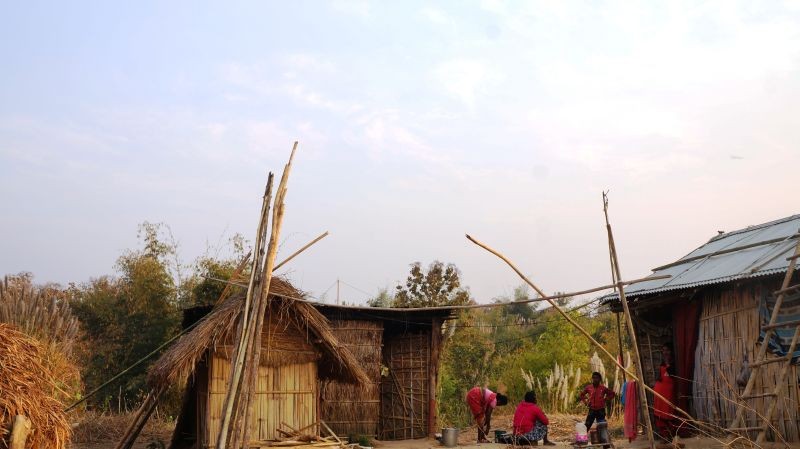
(595, 396)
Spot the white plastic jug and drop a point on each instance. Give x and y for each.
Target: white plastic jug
(581, 436)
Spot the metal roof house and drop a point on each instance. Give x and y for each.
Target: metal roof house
(712, 309)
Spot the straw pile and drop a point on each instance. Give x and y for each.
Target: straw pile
(26, 388)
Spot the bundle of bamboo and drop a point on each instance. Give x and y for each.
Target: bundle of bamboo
(27, 388)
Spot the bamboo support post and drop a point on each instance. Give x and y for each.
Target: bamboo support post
(263, 298)
(238, 358)
(631, 330)
(759, 359)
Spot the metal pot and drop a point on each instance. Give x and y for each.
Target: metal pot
(450, 437)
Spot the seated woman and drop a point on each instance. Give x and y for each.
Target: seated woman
(530, 422)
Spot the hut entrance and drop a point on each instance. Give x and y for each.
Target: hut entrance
(677, 325)
(404, 391)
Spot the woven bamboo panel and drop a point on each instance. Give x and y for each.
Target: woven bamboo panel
(729, 328)
(404, 392)
(349, 409)
(285, 393)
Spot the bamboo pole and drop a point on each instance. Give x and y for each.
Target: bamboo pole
(234, 276)
(296, 253)
(762, 349)
(231, 396)
(261, 305)
(631, 330)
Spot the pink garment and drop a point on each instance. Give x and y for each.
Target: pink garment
(490, 398)
(631, 411)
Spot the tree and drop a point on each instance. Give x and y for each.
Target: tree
(439, 286)
(382, 299)
(525, 311)
(127, 317)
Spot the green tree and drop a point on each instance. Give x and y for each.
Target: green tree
(127, 317)
(440, 285)
(382, 299)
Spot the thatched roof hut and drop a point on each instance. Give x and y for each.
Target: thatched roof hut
(364, 371)
(300, 350)
(712, 310)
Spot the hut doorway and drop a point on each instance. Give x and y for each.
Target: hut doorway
(675, 324)
(404, 391)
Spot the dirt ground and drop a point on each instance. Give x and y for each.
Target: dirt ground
(104, 433)
(561, 432)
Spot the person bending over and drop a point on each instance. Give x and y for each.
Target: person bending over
(481, 402)
(530, 422)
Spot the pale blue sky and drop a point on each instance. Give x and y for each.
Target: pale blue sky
(418, 122)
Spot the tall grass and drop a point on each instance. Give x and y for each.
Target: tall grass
(559, 389)
(42, 312)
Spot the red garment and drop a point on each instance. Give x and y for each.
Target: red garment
(665, 387)
(479, 401)
(686, 319)
(525, 417)
(597, 396)
(631, 411)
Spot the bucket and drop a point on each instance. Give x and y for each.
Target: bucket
(450, 437)
(602, 431)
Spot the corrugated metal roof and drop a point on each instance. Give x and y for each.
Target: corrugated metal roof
(751, 252)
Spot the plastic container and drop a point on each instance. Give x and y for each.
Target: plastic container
(581, 435)
(450, 437)
(498, 435)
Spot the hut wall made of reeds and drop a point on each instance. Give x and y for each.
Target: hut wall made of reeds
(354, 409)
(286, 391)
(729, 330)
(402, 362)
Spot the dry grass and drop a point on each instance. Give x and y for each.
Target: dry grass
(110, 428)
(41, 312)
(28, 387)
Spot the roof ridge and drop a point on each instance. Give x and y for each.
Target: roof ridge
(751, 228)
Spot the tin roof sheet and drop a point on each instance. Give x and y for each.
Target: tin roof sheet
(750, 252)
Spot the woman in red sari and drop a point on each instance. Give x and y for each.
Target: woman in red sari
(666, 421)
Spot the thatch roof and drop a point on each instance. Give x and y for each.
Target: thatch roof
(337, 362)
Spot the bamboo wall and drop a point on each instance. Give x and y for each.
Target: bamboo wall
(405, 390)
(285, 393)
(729, 328)
(286, 390)
(349, 409)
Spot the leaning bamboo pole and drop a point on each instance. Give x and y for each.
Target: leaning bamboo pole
(237, 365)
(575, 324)
(263, 298)
(612, 247)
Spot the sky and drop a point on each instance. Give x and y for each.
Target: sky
(418, 122)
